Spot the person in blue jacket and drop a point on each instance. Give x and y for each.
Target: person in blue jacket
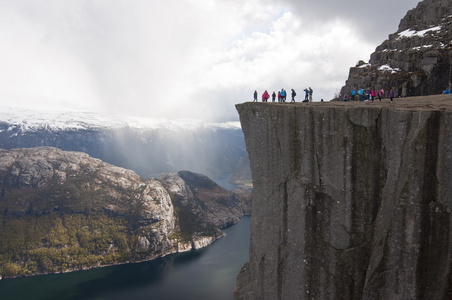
(361, 94)
(306, 96)
(447, 91)
(352, 95)
(283, 95)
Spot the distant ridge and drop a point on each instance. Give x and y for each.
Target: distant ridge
(149, 146)
(31, 120)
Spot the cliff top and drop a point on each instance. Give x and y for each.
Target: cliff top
(434, 102)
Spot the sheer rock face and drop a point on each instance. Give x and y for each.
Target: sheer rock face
(154, 217)
(348, 202)
(414, 61)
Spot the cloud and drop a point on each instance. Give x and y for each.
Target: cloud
(373, 20)
(180, 59)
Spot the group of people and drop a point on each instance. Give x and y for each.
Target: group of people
(370, 94)
(282, 96)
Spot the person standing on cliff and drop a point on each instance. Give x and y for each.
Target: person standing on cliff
(279, 96)
(255, 96)
(361, 94)
(293, 95)
(380, 94)
(310, 94)
(273, 96)
(306, 96)
(283, 95)
(391, 95)
(352, 94)
(265, 96)
(373, 94)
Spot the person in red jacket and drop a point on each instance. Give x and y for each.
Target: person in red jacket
(265, 96)
(380, 94)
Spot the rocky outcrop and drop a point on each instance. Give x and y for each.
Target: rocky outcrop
(62, 211)
(350, 201)
(414, 61)
(211, 203)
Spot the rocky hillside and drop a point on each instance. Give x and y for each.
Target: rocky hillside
(350, 200)
(414, 61)
(63, 211)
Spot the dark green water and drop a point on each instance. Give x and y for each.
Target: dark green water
(209, 273)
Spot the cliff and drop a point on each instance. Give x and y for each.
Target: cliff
(350, 200)
(62, 211)
(414, 61)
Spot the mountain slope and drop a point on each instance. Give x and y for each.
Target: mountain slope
(62, 211)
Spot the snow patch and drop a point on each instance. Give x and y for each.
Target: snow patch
(420, 47)
(364, 66)
(390, 50)
(385, 68)
(410, 33)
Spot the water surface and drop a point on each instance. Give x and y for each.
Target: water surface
(209, 273)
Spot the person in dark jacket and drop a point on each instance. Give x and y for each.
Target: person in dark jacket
(391, 95)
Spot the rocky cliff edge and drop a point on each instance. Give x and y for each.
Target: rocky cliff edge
(350, 200)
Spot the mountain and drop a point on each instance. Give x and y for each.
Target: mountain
(62, 211)
(147, 146)
(414, 61)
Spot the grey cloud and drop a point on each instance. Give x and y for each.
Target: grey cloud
(375, 20)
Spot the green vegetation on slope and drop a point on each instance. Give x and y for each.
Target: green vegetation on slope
(58, 242)
(65, 226)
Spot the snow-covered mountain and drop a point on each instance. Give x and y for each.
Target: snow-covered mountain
(147, 146)
(34, 120)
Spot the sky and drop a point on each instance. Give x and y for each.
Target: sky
(176, 59)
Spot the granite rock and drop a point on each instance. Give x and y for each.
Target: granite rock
(349, 202)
